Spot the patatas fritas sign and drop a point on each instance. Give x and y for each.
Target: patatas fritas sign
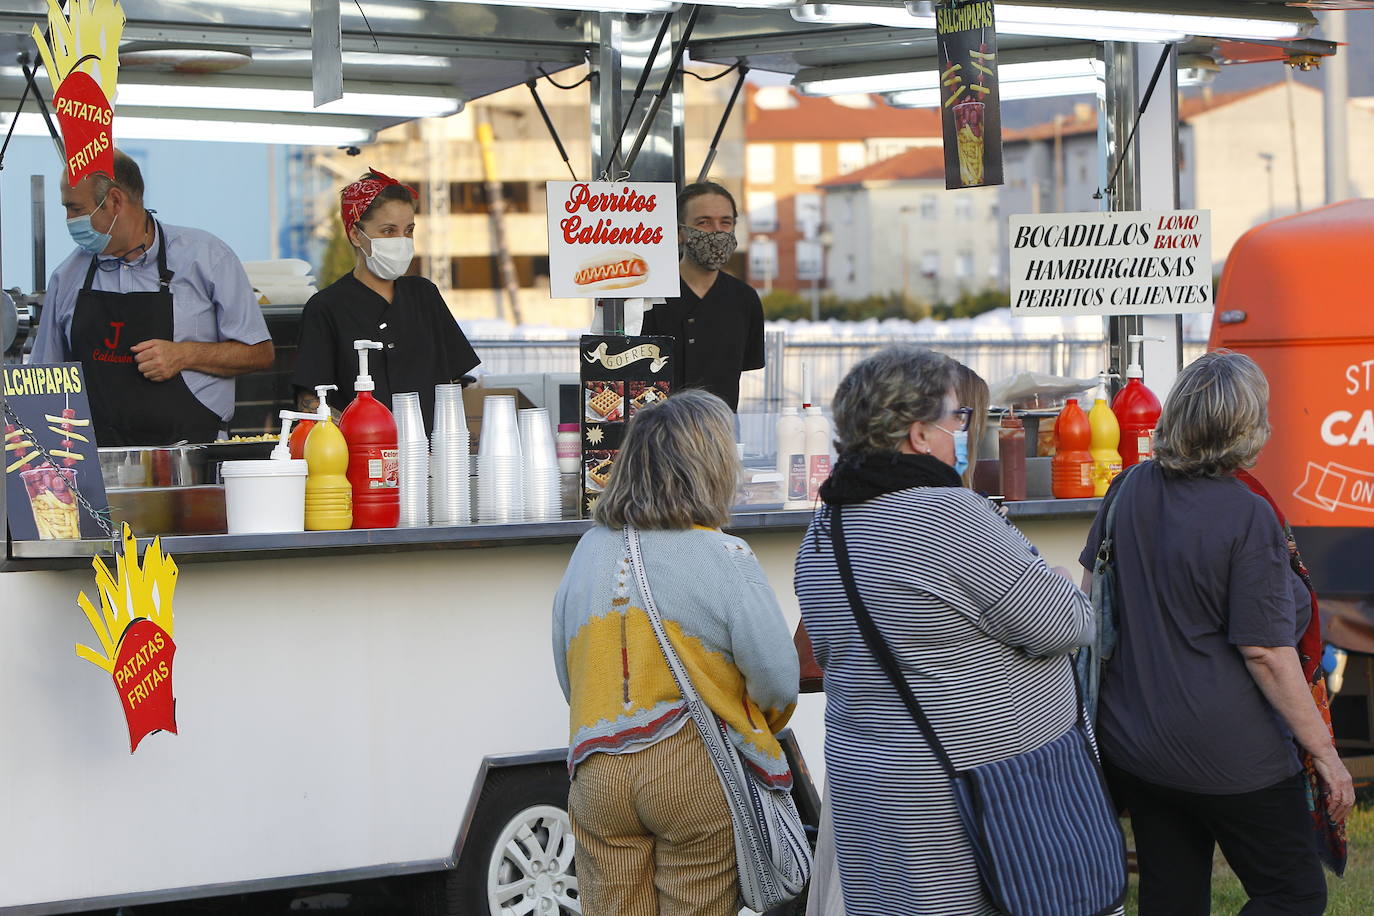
(611, 240)
(134, 626)
(1120, 263)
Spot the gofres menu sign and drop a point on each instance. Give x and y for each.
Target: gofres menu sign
(611, 240)
(1124, 263)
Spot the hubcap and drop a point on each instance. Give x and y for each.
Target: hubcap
(532, 869)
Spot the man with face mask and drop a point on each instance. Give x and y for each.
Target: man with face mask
(160, 317)
(717, 319)
(422, 345)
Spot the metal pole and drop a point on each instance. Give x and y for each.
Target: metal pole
(1337, 71)
(40, 236)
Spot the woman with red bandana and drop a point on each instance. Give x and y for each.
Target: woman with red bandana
(422, 345)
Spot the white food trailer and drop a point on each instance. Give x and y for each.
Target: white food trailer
(362, 704)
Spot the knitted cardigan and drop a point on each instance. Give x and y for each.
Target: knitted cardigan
(720, 615)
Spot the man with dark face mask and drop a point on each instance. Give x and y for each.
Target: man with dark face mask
(717, 319)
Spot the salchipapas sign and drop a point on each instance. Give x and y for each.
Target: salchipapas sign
(970, 103)
(1124, 263)
(609, 240)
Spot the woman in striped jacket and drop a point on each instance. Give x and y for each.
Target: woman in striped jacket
(978, 622)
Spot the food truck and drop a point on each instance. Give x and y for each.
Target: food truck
(1293, 300)
(361, 704)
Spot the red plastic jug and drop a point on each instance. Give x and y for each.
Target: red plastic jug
(1137, 410)
(1071, 475)
(370, 431)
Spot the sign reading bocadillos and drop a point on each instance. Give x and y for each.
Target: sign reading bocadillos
(81, 56)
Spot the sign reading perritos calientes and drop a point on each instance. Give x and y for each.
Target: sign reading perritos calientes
(612, 240)
(1124, 263)
(970, 103)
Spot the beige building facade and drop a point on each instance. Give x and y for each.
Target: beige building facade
(455, 239)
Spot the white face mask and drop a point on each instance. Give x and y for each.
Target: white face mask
(390, 257)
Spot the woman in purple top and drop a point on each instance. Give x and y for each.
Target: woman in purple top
(1204, 697)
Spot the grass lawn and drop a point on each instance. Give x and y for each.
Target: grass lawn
(1352, 895)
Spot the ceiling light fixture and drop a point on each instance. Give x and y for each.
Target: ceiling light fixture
(141, 128)
(395, 102)
(1012, 78)
(1066, 22)
(589, 6)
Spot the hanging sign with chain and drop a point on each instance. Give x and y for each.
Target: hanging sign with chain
(53, 486)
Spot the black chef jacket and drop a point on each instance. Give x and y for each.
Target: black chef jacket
(718, 337)
(422, 345)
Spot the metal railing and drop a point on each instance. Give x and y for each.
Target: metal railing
(828, 360)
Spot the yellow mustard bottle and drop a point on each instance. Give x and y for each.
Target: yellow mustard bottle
(328, 494)
(1106, 440)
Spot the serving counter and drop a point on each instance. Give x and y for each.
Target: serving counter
(342, 701)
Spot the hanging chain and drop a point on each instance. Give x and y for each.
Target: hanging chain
(103, 517)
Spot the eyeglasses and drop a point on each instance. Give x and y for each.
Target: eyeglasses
(112, 264)
(965, 415)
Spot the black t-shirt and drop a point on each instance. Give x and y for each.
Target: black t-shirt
(422, 345)
(1203, 567)
(718, 337)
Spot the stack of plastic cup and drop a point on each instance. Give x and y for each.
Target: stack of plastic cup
(500, 494)
(450, 499)
(412, 453)
(539, 469)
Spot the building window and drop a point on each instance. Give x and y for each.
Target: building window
(807, 208)
(963, 265)
(963, 207)
(930, 262)
(758, 163)
(484, 271)
(471, 196)
(930, 206)
(852, 157)
(806, 163)
(763, 211)
(809, 261)
(763, 261)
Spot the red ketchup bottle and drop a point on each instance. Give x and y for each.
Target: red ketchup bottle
(1072, 471)
(370, 431)
(1137, 410)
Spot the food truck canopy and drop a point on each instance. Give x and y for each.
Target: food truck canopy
(180, 59)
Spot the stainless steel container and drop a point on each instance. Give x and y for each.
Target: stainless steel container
(152, 466)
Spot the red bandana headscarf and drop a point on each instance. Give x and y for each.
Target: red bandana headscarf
(358, 196)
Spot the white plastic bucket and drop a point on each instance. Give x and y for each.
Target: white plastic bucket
(264, 496)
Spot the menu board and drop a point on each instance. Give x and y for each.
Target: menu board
(620, 376)
(46, 411)
(970, 103)
(612, 240)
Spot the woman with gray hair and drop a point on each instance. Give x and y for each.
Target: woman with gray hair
(1204, 695)
(649, 815)
(977, 621)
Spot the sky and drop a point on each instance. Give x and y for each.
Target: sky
(218, 187)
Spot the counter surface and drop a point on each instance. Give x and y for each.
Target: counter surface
(30, 555)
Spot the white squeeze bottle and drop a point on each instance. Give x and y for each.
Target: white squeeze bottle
(817, 451)
(792, 463)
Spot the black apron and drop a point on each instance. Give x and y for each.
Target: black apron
(126, 407)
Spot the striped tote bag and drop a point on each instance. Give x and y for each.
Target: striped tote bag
(1043, 829)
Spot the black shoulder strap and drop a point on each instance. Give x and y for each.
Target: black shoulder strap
(1106, 546)
(879, 646)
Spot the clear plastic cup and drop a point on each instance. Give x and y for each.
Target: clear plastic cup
(500, 432)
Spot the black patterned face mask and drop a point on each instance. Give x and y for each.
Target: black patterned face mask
(709, 249)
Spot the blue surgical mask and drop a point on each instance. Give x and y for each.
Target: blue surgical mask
(85, 235)
(960, 448)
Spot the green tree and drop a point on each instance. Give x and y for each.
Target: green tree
(339, 256)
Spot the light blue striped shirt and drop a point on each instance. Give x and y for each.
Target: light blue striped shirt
(212, 302)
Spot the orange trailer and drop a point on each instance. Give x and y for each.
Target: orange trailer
(1297, 296)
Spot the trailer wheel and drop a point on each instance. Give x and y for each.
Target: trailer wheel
(518, 857)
